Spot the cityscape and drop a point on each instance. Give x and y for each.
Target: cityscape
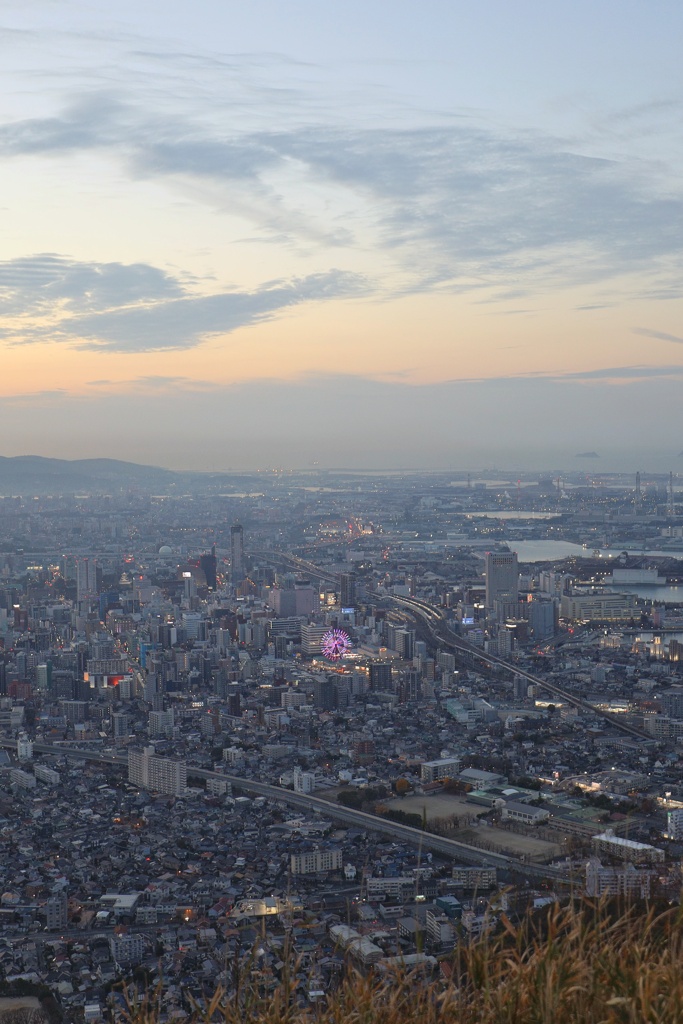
(341, 512)
(350, 717)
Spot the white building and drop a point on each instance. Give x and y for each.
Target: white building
(127, 949)
(161, 723)
(304, 782)
(311, 639)
(218, 787)
(439, 929)
(513, 811)
(22, 779)
(24, 748)
(315, 862)
(674, 824)
(443, 768)
(391, 885)
(599, 607)
(158, 774)
(626, 849)
(474, 877)
(47, 775)
(609, 881)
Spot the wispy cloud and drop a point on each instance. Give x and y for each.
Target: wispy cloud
(453, 205)
(41, 283)
(648, 332)
(138, 308)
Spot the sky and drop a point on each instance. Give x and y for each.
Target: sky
(377, 234)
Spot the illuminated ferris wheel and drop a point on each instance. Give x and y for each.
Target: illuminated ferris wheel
(335, 643)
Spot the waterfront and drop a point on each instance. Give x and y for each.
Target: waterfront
(554, 550)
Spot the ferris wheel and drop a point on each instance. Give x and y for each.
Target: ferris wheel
(335, 643)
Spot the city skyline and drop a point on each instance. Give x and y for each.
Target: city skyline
(251, 238)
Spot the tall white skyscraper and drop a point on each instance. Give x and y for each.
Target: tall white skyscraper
(86, 579)
(502, 577)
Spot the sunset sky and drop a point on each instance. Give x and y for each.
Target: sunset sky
(280, 233)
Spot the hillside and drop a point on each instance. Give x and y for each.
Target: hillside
(578, 965)
(36, 475)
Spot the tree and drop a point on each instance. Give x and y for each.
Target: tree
(402, 786)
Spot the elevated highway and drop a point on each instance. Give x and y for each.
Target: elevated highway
(443, 635)
(440, 632)
(461, 852)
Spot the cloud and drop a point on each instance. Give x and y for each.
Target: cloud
(138, 308)
(647, 332)
(39, 284)
(455, 205)
(621, 373)
(602, 375)
(155, 382)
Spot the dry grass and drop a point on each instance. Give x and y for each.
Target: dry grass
(582, 965)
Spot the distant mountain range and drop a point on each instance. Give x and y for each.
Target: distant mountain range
(35, 475)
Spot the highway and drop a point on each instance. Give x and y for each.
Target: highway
(299, 565)
(303, 801)
(442, 635)
(448, 640)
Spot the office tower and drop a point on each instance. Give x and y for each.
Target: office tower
(541, 618)
(347, 597)
(404, 643)
(208, 564)
(86, 579)
(325, 694)
(502, 577)
(236, 554)
(380, 676)
(311, 639)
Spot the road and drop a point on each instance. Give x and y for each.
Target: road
(435, 622)
(461, 852)
(434, 619)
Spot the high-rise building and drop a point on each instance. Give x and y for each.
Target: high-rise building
(236, 554)
(347, 594)
(541, 618)
(325, 694)
(311, 639)
(208, 564)
(86, 579)
(159, 774)
(502, 577)
(380, 676)
(120, 724)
